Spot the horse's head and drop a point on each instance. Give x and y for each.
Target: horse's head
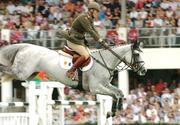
(137, 64)
(129, 54)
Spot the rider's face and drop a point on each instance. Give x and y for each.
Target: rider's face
(95, 13)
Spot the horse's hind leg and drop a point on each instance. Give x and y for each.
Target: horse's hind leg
(5, 69)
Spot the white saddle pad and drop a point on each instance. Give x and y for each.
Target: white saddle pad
(66, 62)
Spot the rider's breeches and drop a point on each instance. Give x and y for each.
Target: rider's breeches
(82, 50)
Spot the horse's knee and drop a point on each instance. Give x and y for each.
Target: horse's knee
(20, 74)
(119, 94)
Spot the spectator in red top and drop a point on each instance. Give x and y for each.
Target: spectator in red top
(9, 24)
(159, 86)
(16, 34)
(112, 35)
(132, 35)
(76, 116)
(139, 4)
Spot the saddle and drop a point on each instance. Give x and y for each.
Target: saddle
(75, 55)
(69, 56)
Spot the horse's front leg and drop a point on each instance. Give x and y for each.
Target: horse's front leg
(105, 88)
(118, 98)
(117, 93)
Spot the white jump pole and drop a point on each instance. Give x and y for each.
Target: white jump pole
(6, 89)
(45, 109)
(60, 88)
(123, 82)
(104, 107)
(34, 93)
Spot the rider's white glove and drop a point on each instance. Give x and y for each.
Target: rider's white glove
(100, 40)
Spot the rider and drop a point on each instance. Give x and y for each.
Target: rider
(75, 37)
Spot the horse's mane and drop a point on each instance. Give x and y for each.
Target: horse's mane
(112, 47)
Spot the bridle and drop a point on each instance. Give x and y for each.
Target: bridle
(134, 64)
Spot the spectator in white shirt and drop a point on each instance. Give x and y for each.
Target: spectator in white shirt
(20, 8)
(173, 4)
(166, 97)
(10, 7)
(143, 14)
(152, 114)
(165, 4)
(133, 14)
(169, 12)
(178, 89)
(132, 96)
(28, 8)
(158, 22)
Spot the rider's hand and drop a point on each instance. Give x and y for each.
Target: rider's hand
(100, 40)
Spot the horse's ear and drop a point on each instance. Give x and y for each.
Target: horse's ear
(136, 46)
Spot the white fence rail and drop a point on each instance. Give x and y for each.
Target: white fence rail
(39, 107)
(14, 118)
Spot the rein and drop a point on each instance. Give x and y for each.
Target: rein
(115, 54)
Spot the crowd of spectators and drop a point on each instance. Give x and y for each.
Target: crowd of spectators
(151, 102)
(38, 18)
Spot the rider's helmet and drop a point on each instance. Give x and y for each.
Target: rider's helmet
(94, 5)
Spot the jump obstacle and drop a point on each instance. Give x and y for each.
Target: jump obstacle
(40, 106)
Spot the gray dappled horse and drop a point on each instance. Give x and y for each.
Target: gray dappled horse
(20, 61)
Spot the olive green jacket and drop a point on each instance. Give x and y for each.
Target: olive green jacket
(81, 25)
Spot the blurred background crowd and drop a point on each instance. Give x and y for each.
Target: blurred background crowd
(150, 102)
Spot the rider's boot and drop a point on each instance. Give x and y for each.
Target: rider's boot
(75, 57)
(78, 63)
